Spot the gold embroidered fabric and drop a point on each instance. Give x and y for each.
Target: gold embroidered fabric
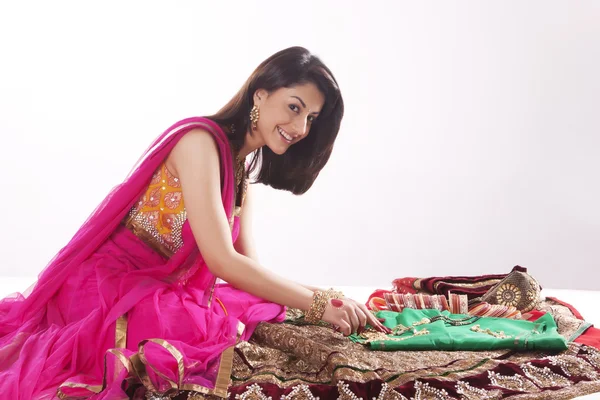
(307, 362)
(159, 215)
(290, 356)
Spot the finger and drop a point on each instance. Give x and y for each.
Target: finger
(377, 323)
(345, 328)
(355, 322)
(371, 318)
(362, 319)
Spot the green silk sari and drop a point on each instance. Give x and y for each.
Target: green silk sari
(429, 329)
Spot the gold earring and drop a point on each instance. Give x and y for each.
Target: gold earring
(254, 116)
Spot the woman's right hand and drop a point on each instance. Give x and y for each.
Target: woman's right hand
(350, 316)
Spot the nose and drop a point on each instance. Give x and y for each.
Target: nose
(301, 127)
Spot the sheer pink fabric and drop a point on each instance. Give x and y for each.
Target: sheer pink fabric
(107, 280)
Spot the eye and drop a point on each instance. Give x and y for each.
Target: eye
(294, 108)
(311, 118)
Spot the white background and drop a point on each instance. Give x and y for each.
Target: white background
(470, 142)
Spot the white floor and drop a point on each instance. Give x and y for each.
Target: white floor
(586, 302)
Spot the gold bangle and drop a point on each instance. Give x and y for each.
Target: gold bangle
(319, 303)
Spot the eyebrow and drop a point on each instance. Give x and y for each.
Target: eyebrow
(303, 104)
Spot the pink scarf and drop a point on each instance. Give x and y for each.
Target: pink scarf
(20, 310)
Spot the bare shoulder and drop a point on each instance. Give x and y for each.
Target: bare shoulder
(194, 147)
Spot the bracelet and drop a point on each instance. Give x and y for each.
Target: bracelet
(319, 303)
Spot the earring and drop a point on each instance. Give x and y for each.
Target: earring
(254, 116)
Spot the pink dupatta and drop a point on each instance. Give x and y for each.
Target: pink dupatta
(21, 316)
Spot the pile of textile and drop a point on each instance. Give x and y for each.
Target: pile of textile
(487, 337)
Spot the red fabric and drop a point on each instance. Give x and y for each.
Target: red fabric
(570, 307)
(533, 315)
(591, 336)
(404, 285)
(446, 284)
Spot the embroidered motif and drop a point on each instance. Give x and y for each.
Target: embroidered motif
(425, 392)
(157, 396)
(195, 396)
(469, 392)
(514, 382)
(544, 376)
(345, 392)
(159, 215)
(387, 393)
(573, 366)
(508, 295)
(592, 356)
(253, 392)
(300, 392)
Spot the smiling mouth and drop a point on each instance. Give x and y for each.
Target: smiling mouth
(284, 135)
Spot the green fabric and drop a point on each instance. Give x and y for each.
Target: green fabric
(444, 336)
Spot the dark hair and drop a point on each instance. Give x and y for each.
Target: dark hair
(297, 169)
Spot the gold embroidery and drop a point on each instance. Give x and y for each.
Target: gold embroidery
(159, 215)
(592, 356)
(573, 366)
(388, 393)
(544, 376)
(512, 382)
(345, 392)
(300, 392)
(425, 392)
(253, 392)
(508, 295)
(469, 392)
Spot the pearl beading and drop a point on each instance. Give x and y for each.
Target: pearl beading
(469, 392)
(253, 392)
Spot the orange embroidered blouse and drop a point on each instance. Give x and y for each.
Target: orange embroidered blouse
(158, 217)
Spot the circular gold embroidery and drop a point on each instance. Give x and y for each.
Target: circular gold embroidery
(508, 295)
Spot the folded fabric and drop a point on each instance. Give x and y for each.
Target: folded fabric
(518, 289)
(456, 304)
(494, 310)
(471, 286)
(429, 329)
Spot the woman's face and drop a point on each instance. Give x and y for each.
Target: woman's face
(286, 114)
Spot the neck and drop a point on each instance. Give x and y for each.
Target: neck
(251, 144)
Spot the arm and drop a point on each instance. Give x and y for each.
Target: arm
(195, 159)
(245, 242)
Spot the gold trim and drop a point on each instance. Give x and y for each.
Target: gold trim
(224, 374)
(137, 364)
(92, 388)
(140, 371)
(212, 292)
(490, 282)
(121, 332)
(241, 329)
(125, 361)
(174, 352)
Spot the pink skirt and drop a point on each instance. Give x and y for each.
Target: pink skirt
(112, 325)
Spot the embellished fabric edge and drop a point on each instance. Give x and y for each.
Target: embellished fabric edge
(137, 363)
(582, 328)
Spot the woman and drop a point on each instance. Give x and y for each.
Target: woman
(132, 298)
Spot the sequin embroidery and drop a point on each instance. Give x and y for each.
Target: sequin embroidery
(159, 215)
